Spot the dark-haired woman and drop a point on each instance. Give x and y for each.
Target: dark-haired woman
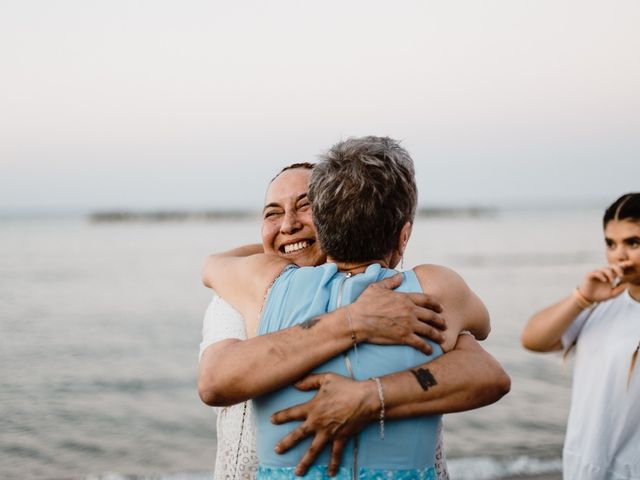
(600, 320)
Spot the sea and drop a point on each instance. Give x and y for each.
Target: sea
(100, 324)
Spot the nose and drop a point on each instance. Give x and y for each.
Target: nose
(290, 223)
(620, 254)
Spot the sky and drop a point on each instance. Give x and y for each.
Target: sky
(196, 104)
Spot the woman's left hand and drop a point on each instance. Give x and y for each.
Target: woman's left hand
(341, 408)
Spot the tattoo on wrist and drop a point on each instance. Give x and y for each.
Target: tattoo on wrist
(307, 324)
(424, 378)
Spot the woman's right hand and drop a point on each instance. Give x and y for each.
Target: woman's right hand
(605, 283)
(385, 317)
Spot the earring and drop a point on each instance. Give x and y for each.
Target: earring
(402, 262)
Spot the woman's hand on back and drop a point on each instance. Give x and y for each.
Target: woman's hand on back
(385, 317)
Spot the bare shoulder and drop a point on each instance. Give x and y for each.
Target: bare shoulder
(462, 308)
(440, 280)
(244, 281)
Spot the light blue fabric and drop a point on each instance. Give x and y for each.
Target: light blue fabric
(320, 473)
(408, 449)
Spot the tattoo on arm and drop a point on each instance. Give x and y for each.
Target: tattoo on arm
(307, 324)
(424, 378)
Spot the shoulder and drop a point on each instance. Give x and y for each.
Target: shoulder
(440, 279)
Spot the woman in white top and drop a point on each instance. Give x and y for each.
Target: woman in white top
(600, 320)
(234, 369)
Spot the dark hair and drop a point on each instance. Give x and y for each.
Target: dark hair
(362, 192)
(304, 165)
(627, 207)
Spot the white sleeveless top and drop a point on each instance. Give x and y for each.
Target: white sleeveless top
(236, 456)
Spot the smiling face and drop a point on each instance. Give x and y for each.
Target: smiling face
(287, 226)
(623, 247)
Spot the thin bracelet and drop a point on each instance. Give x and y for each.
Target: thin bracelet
(381, 396)
(582, 301)
(354, 338)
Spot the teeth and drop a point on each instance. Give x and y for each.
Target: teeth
(294, 247)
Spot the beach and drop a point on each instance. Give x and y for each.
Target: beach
(101, 325)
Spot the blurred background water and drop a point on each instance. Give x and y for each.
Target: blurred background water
(100, 325)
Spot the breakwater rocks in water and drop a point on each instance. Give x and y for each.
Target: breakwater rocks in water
(170, 216)
(121, 216)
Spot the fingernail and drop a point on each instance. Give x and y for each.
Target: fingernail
(278, 449)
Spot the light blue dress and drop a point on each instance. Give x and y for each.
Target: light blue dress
(408, 448)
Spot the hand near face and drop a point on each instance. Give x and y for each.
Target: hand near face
(341, 408)
(607, 282)
(385, 317)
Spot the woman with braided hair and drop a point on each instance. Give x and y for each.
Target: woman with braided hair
(600, 321)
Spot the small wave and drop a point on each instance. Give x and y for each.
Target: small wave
(488, 468)
(174, 476)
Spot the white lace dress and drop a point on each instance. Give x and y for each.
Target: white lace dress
(235, 426)
(236, 457)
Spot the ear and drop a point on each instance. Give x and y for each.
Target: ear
(403, 239)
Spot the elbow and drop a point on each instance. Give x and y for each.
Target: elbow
(213, 392)
(498, 383)
(209, 395)
(212, 396)
(532, 342)
(207, 273)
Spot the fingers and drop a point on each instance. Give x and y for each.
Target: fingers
(310, 382)
(618, 270)
(310, 455)
(390, 283)
(336, 456)
(599, 276)
(293, 438)
(427, 331)
(419, 344)
(425, 301)
(431, 318)
(297, 412)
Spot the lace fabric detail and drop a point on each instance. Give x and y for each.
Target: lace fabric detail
(441, 461)
(221, 322)
(321, 473)
(236, 457)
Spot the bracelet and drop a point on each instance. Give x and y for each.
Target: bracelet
(354, 338)
(381, 396)
(582, 301)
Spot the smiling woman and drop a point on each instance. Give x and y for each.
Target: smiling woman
(309, 338)
(287, 227)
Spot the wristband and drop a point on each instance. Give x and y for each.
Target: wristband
(582, 301)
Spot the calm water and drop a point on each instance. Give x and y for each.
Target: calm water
(100, 324)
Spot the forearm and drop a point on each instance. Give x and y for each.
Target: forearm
(246, 369)
(463, 379)
(544, 330)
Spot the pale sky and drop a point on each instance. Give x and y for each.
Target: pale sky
(196, 104)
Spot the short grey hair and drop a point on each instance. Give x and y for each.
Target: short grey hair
(362, 192)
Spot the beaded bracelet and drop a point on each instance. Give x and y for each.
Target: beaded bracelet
(381, 396)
